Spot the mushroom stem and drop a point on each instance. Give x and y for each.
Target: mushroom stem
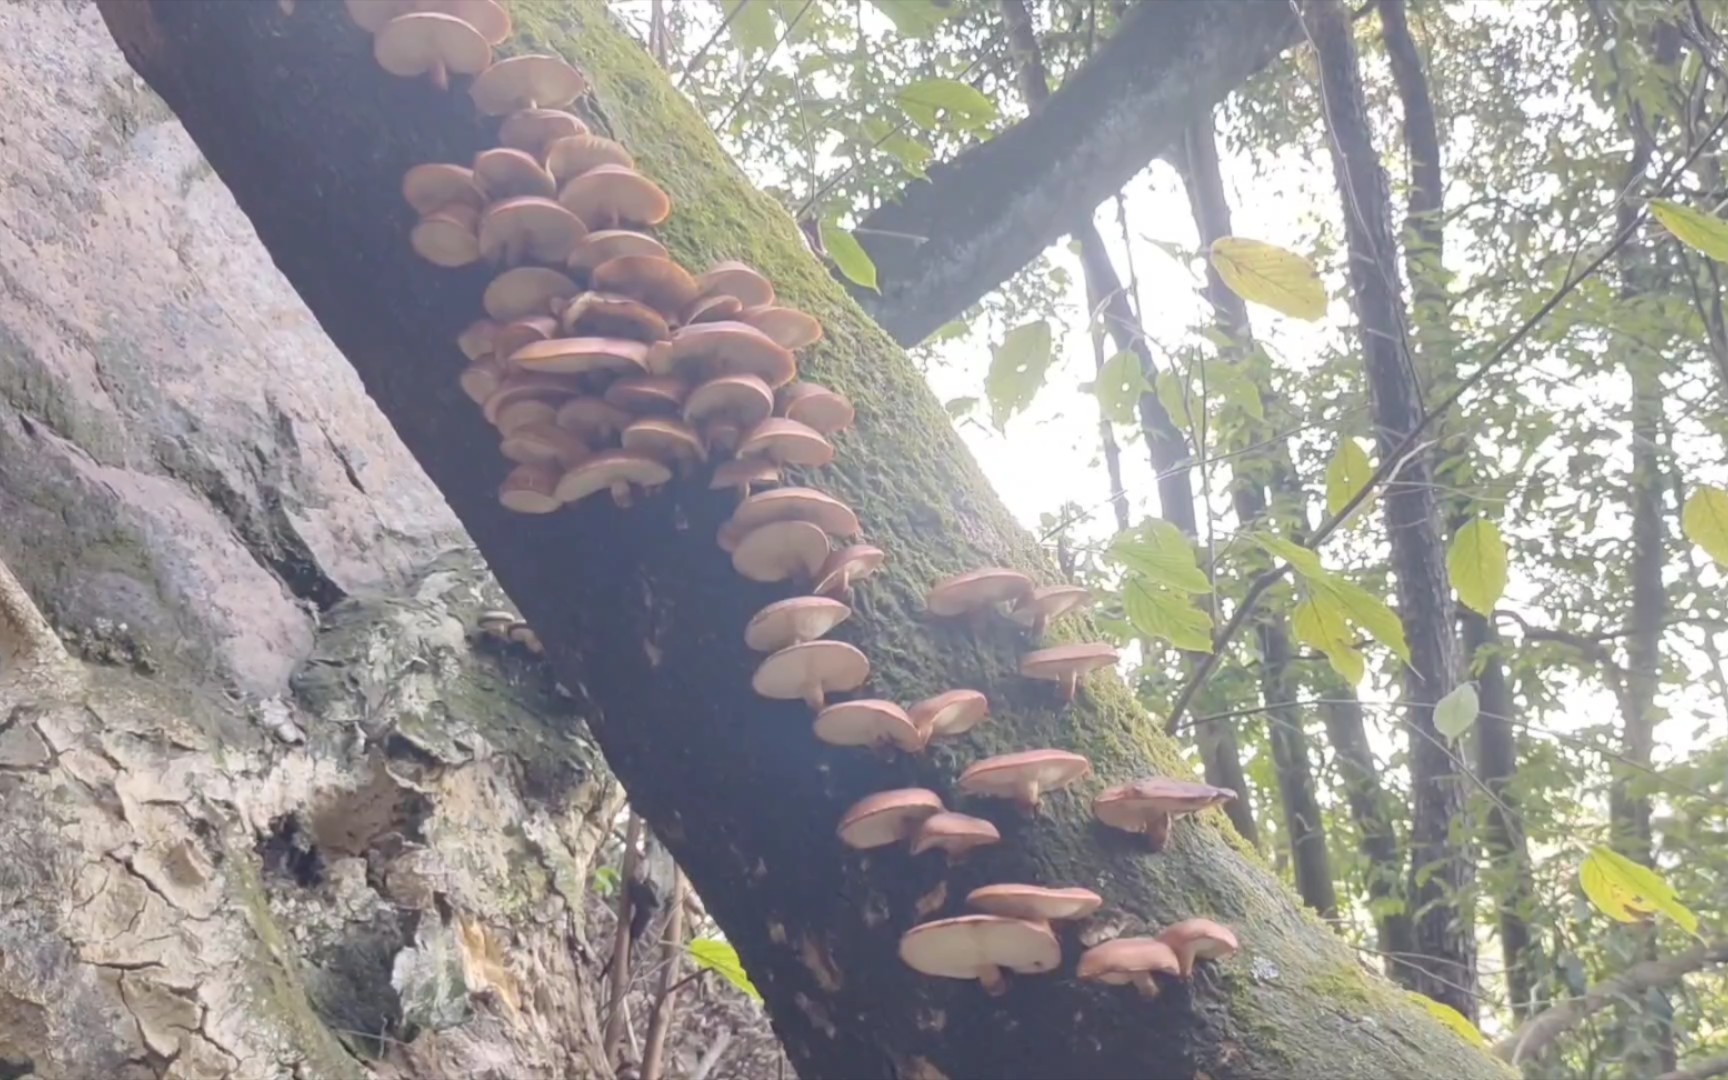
(990, 976)
(1027, 799)
(722, 438)
(621, 492)
(814, 696)
(1038, 623)
(1158, 832)
(439, 75)
(1146, 984)
(1070, 683)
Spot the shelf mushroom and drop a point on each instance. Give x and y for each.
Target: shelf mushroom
(1065, 664)
(790, 327)
(953, 833)
(570, 157)
(656, 281)
(603, 314)
(980, 947)
(745, 283)
(742, 474)
(526, 228)
(1023, 776)
(1148, 805)
(448, 201)
(886, 817)
(713, 309)
(486, 16)
(712, 349)
(846, 566)
(531, 489)
(868, 722)
(787, 442)
(617, 471)
(815, 405)
(794, 621)
(647, 395)
(495, 624)
(526, 82)
(1047, 604)
(604, 245)
(781, 551)
(533, 131)
(1136, 960)
(581, 356)
(592, 419)
(503, 173)
(431, 44)
(1035, 903)
(611, 196)
(952, 713)
(1198, 939)
(524, 292)
(811, 671)
(977, 593)
(829, 514)
(723, 409)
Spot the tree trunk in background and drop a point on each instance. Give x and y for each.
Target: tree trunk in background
(1440, 872)
(1303, 825)
(1496, 741)
(641, 613)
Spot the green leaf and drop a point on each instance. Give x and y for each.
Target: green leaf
(929, 102)
(909, 152)
(1454, 713)
(1694, 228)
(1476, 563)
(1346, 474)
(1320, 624)
(1704, 520)
(1264, 274)
(1160, 613)
(1301, 560)
(848, 254)
(1630, 892)
(1119, 386)
(1179, 400)
(948, 331)
(1017, 369)
(713, 954)
(606, 880)
(1158, 550)
(960, 406)
(752, 28)
(1447, 1015)
(1371, 614)
(914, 18)
(1231, 383)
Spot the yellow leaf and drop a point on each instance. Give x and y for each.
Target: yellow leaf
(716, 955)
(1476, 563)
(1346, 474)
(1694, 228)
(1704, 520)
(1319, 623)
(1370, 613)
(1449, 1016)
(1630, 892)
(1259, 272)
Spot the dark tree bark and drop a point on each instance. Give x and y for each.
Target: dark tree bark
(1495, 736)
(641, 613)
(1440, 872)
(991, 210)
(1375, 813)
(1303, 825)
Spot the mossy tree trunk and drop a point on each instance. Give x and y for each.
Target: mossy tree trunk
(642, 614)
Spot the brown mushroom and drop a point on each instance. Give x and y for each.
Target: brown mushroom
(486, 16)
(1047, 604)
(729, 277)
(523, 412)
(526, 82)
(447, 237)
(665, 440)
(1198, 939)
(519, 385)
(867, 722)
(581, 356)
(712, 309)
(1148, 805)
(433, 186)
(788, 504)
(1035, 903)
(503, 173)
(533, 131)
(523, 634)
(780, 550)
(604, 245)
(481, 379)
(478, 339)
(786, 442)
(954, 833)
(722, 409)
(574, 155)
(846, 566)
(789, 327)
(977, 593)
(980, 947)
(610, 196)
(793, 621)
(526, 291)
(1135, 960)
(953, 713)
(372, 15)
(743, 474)
(430, 44)
(592, 419)
(712, 349)
(646, 395)
(1065, 664)
(658, 282)
(496, 624)
(810, 671)
(815, 405)
(886, 817)
(528, 228)
(530, 489)
(617, 471)
(1023, 776)
(603, 314)
(518, 333)
(543, 444)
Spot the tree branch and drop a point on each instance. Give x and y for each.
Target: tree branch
(26, 639)
(619, 965)
(666, 1001)
(1700, 1070)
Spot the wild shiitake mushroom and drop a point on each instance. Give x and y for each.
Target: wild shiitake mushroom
(612, 196)
(524, 292)
(503, 173)
(665, 440)
(742, 474)
(656, 281)
(1198, 939)
(528, 228)
(431, 44)
(815, 405)
(781, 551)
(723, 409)
(868, 722)
(582, 356)
(1047, 604)
(526, 82)
(617, 471)
(1035, 903)
(886, 817)
(530, 489)
(789, 327)
(1135, 960)
(786, 442)
(846, 566)
(1148, 805)
(793, 621)
(1023, 776)
(713, 349)
(810, 671)
(533, 131)
(604, 245)
(1065, 664)
(829, 514)
(953, 713)
(574, 155)
(604, 314)
(977, 593)
(646, 395)
(980, 947)
(954, 834)
(729, 277)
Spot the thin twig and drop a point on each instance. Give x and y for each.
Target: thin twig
(702, 53)
(711, 1057)
(756, 75)
(665, 1003)
(619, 966)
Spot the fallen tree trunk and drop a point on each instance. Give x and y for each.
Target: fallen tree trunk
(642, 614)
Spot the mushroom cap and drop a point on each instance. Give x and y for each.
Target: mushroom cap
(519, 385)
(729, 277)
(529, 228)
(834, 666)
(591, 418)
(885, 817)
(790, 327)
(530, 489)
(478, 339)
(1133, 806)
(603, 314)
(516, 333)
(1035, 903)
(815, 405)
(533, 131)
(741, 471)
(962, 947)
(1120, 960)
(447, 237)
(574, 155)
(646, 395)
(1198, 939)
(867, 722)
(780, 550)
(371, 15)
(848, 564)
(789, 504)
(486, 16)
(581, 356)
(607, 196)
(543, 444)
(424, 41)
(523, 412)
(1007, 775)
(713, 309)
(787, 442)
(952, 713)
(609, 467)
(655, 280)
(604, 245)
(663, 439)
(526, 82)
(965, 593)
(481, 379)
(503, 173)
(435, 185)
(526, 291)
(790, 621)
(1063, 660)
(953, 832)
(494, 620)
(1050, 602)
(743, 400)
(712, 349)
